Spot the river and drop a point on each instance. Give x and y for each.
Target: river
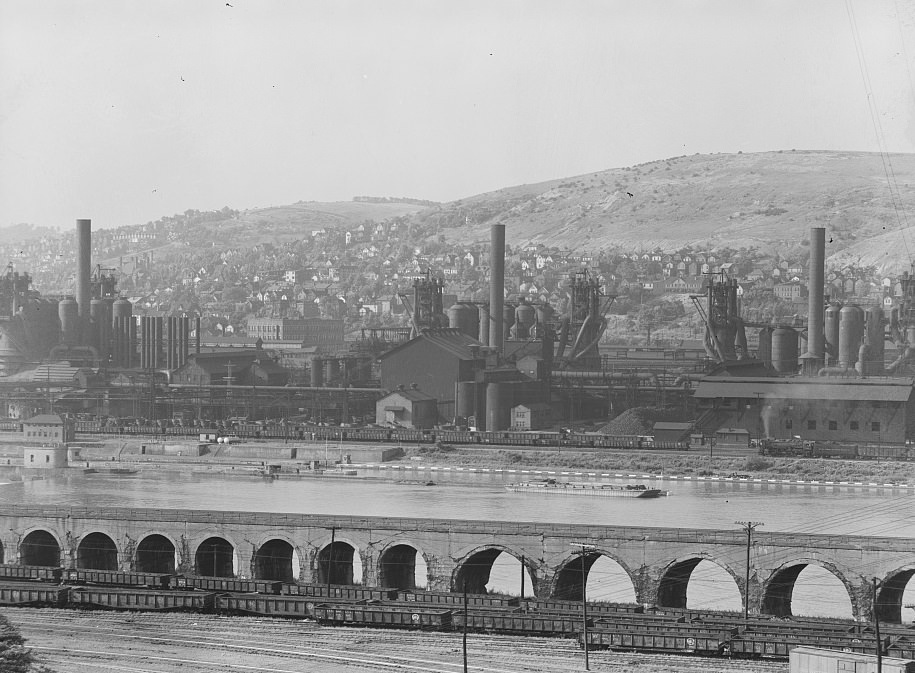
(481, 496)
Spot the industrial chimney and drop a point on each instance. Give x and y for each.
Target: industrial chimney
(83, 270)
(496, 285)
(814, 359)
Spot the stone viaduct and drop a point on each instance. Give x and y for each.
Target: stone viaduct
(332, 549)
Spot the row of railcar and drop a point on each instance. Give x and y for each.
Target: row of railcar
(609, 625)
(394, 435)
(772, 447)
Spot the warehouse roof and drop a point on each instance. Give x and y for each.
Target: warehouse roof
(448, 339)
(803, 387)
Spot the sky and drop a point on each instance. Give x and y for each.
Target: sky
(124, 111)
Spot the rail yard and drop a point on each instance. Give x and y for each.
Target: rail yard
(622, 628)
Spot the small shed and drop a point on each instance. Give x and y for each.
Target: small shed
(732, 437)
(671, 432)
(408, 407)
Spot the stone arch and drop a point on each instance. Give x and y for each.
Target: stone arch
(778, 588)
(889, 594)
(97, 551)
(567, 581)
(335, 562)
(397, 565)
(474, 568)
(674, 581)
(156, 553)
(215, 557)
(40, 547)
(273, 560)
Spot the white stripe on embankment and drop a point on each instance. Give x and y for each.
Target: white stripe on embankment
(654, 477)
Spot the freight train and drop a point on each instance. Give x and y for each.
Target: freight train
(546, 439)
(616, 626)
(826, 449)
(377, 435)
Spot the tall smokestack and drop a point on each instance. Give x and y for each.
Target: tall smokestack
(816, 310)
(84, 262)
(496, 284)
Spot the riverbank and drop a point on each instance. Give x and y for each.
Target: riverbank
(685, 465)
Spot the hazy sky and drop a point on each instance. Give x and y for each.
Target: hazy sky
(126, 111)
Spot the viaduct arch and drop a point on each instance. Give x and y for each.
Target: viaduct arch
(384, 552)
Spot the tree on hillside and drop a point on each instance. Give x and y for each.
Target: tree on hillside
(14, 656)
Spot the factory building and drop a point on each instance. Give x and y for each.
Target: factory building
(408, 408)
(231, 367)
(306, 331)
(815, 408)
(435, 360)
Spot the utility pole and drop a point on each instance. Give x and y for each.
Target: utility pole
(583, 549)
(877, 631)
(749, 527)
(522, 578)
(466, 619)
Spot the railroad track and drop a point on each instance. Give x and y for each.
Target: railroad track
(192, 643)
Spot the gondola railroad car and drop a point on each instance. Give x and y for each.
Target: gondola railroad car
(299, 607)
(142, 599)
(33, 594)
(408, 617)
(228, 584)
(118, 578)
(14, 571)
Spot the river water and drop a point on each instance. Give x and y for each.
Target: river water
(481, 496)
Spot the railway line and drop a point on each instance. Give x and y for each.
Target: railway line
(100, 641)
(586, 441)
(617, 627)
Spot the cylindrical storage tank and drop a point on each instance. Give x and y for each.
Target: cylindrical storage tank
(466, 399)
(463, 317)
(876, 336)
(865, 361)
(144, 323)
(508, 320)
(483, 338)
(157, 342)
(764, 350)
(524, 320)
(131, 356)
(544, 315)
(98, 316)
(784, 350)
(317, 372)
(832, 331)
(333, 370)
(494, 411)
(68, 310)
(851, 334)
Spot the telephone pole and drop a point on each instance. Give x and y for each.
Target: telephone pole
(582, 550)
(748, 527)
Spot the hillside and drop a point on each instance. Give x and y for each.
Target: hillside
(296, 221)
(738, 200)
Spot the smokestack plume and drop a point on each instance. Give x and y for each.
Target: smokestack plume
(84, 262)
(816, 309)
(496, 284)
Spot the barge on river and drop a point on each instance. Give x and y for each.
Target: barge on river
(554, 487)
